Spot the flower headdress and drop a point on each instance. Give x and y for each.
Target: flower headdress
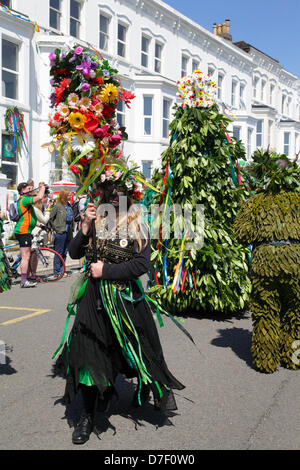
(124, 175)
(196, 90)
(85, 95)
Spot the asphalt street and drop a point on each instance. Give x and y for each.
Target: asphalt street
(226, 404)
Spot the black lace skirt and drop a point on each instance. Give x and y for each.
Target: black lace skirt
(93, 345)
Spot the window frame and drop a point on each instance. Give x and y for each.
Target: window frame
(77, 20)
(238, 129)
(16, 72)
(249, 142)
(145, 54)
(184, 72)
(195, 64)
(297, 142)
(120, 41)
(286, 145)
(211, 70)
(121, 113)
(106, 34)
(58, 12)
(259, 133)
(242, 89)
(166, 120)
(221, 75)
(56, 164)
(147, 162)
(234, 87)
(148, 116)
(158, 60)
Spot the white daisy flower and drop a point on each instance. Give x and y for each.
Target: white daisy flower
(82, 142)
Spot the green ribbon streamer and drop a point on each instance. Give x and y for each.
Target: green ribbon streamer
(159, 308)
(91, 180)
(83, 154)
(233, 175)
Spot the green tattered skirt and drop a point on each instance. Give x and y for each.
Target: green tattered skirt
(120, 338)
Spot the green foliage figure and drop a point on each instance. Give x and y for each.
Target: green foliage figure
(5, 272)
(198, 169)
(270, 222)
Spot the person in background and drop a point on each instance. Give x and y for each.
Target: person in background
(24, 227)
(42, 219)
(51, 202)
(45, 204)
(30, 184)
(61, 221)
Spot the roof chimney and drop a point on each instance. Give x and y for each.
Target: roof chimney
(223, 30)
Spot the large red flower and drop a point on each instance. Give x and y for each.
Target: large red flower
(92, 122)
(83, 161)
(58, 92)
(107, 111)
(98, 80)
(74, 169)
(126, 96)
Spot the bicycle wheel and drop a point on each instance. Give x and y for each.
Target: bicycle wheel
(44, 272)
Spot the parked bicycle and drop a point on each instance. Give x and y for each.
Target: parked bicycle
(44, 272)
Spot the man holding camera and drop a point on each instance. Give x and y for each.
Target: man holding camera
(24, 227)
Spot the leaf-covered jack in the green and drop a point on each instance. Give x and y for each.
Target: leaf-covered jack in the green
(213, 277)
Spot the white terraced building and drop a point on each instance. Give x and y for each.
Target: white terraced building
(152, 45)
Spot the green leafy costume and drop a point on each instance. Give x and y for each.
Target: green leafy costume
(270, 222)
(199, 169)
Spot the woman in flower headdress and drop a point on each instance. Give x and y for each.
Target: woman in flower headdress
(114, 330)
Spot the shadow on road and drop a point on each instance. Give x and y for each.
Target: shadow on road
(121, 406)
(215, 316)
(7, 369)
(239, 340)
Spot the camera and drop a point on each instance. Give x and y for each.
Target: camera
(35, 190)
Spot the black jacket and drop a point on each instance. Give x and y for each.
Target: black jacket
(126, 271)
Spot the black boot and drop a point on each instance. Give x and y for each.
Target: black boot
(84, 428)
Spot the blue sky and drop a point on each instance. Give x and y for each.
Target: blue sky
(272, 26)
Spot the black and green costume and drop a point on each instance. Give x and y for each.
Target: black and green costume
(5, 272)
(270, 222)
(119, 335)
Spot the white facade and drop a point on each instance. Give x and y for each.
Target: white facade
(275, 103)
(151, 45)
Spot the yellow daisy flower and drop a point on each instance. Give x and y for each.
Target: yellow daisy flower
(109, 93)
(77, 120)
